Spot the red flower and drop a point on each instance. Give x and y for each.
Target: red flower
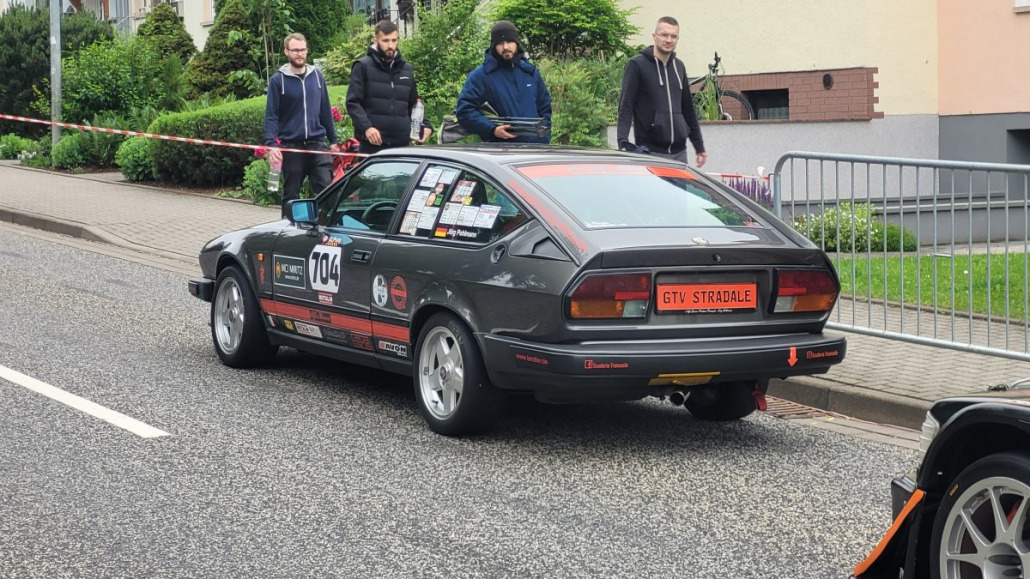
(337, 115)
(260, 152)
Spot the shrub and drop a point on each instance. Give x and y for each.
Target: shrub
(255, 184)
(39, 155)
(578, 116)
(854, 228)
(338, 60)
(99, 147)
(12, 145)
(134, 159)
(111, 76)
(207, 165)
(69, 152)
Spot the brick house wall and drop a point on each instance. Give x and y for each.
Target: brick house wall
(850, 96)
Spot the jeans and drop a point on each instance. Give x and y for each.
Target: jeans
(296, 166)
(681, 156)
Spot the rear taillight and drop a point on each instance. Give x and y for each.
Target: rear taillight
(625, 295)
(804, 291)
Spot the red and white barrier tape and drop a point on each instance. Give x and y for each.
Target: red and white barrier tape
(169, 137)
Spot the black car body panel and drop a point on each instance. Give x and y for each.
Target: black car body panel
(971, 427)
(359, 284)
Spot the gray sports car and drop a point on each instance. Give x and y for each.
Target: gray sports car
(568, 274)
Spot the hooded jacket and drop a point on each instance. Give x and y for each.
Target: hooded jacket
(381, 94)
(513, 89)
(298, 108)
(656, 100)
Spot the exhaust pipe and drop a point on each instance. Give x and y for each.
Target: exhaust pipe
(678, 398)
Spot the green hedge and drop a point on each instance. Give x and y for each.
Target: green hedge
(211, 165)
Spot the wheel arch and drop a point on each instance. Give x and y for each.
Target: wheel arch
(228, 259)
(964, 445)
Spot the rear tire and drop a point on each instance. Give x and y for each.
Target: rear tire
(722, 402)
(236, 325)
(733, 99)
(452, 388)
(994, 488)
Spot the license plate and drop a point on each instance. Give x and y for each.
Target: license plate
(709, 296)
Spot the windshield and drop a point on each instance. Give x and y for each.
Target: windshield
(601, 195)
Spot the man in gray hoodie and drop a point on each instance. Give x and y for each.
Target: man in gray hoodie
(656, 100)
(298, 116)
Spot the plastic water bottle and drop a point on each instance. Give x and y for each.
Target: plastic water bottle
(274, 171)
(417, 114)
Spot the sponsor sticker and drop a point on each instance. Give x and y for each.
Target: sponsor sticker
(379, 291)
(450, 213)
(361, 341)
(467, 217)
(336, 336)
(289, 271)
(288, 325)
(308, 330)
(399, 293)
(393, 348)
(325, 298)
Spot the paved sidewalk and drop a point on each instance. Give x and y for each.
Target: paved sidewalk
(880, 380)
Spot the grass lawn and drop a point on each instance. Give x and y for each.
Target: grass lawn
(970, 281)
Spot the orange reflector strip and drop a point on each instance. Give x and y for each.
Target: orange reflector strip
(864, 566)
(672, 172)
(816, 303)
(581, 169)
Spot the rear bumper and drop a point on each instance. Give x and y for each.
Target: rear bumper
(520, 365)
(202, 288)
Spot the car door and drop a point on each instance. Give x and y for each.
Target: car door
(321, 276)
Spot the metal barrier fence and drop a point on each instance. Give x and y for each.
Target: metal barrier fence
(931, 252)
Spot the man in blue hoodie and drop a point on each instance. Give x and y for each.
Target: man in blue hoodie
(511, 85)
(298, 116)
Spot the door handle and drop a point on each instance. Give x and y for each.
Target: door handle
(360, 255)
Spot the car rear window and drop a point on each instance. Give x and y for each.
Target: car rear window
(601, 195)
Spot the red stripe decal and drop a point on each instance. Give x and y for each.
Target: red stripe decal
(397, 333)
(344, 322)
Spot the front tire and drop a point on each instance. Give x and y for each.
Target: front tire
(452, 389)
(236, 326)
(722, 402)
(732, 98)
(981, 528)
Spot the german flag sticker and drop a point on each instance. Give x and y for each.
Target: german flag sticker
(441, 232)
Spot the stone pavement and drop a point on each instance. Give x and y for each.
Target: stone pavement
(880, 380)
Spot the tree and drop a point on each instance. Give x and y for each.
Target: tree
(322, 22)
(167, 33)
(449, 43)
(25, 56)
(568, 28)
(226, 53)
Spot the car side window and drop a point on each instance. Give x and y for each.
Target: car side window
(453, 205)
(370, 198)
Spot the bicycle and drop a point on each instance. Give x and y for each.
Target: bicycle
(711, 101)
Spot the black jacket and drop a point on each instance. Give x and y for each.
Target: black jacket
(656, 100)
(381, 94)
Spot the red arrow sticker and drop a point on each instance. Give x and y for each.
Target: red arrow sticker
(793, 359)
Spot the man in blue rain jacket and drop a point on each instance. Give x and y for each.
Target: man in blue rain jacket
(511, 86)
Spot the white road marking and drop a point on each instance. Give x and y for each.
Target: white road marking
(81, 404)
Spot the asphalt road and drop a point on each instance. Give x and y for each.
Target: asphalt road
(312, 468)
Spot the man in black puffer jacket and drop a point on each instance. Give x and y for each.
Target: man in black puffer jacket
(656, 100)
(381, 94)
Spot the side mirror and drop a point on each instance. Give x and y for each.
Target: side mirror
(302, 211)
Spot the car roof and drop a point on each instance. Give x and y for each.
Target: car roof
(520, 153)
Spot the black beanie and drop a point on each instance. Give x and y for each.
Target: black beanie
(503, 31)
